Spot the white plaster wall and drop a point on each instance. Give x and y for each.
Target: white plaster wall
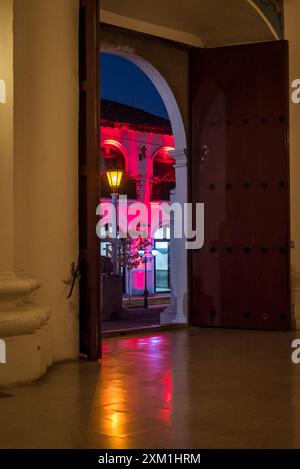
(46, 177)
(6, 137)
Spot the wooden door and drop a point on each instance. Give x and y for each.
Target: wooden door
(240, 170)
(90, 324)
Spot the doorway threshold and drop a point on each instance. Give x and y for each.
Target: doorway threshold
(142, 330)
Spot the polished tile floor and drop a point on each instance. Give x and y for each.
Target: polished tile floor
(136, 318)
(184, 388)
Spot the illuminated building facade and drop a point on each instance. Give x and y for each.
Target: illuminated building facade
(140, 143)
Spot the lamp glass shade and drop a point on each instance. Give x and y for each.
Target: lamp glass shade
(114, 179)
(154, 252)
(141, 252)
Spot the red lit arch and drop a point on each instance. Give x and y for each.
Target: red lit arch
(118, 149)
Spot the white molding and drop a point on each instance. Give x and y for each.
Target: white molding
(180, 158)
(23, 321)
(177, 312)
(150, 28)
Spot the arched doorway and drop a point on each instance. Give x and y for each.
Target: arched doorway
(162, 260)
(222, 32)
(168, 161)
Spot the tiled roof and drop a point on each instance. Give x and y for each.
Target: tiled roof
(114, 114)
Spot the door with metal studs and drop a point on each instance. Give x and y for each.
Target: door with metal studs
(240, 170)
(89, 116)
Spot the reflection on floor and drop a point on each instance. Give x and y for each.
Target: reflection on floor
(180, 389)
(137, 318)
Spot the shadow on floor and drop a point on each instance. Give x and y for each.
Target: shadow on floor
(137, 317)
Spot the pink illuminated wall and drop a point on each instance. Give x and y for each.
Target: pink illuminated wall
(139, 150)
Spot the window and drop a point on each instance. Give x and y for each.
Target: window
(163, 175)
(162, 260)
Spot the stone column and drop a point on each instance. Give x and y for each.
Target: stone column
(177, 310)
(292, 34)
(22, 326)
(169, 314)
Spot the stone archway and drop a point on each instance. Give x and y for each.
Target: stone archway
(177, 310)
(110, 142)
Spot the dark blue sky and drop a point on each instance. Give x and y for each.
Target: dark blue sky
(124, 82)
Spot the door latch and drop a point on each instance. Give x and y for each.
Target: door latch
(74, 275)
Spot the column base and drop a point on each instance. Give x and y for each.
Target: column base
(180, 318)
(24, 332)
(26, 335)
(169, 314)
(167, 317)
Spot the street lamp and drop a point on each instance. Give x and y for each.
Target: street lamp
(114, 178)
(141, 252)
(145, 259)
(154, 252)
